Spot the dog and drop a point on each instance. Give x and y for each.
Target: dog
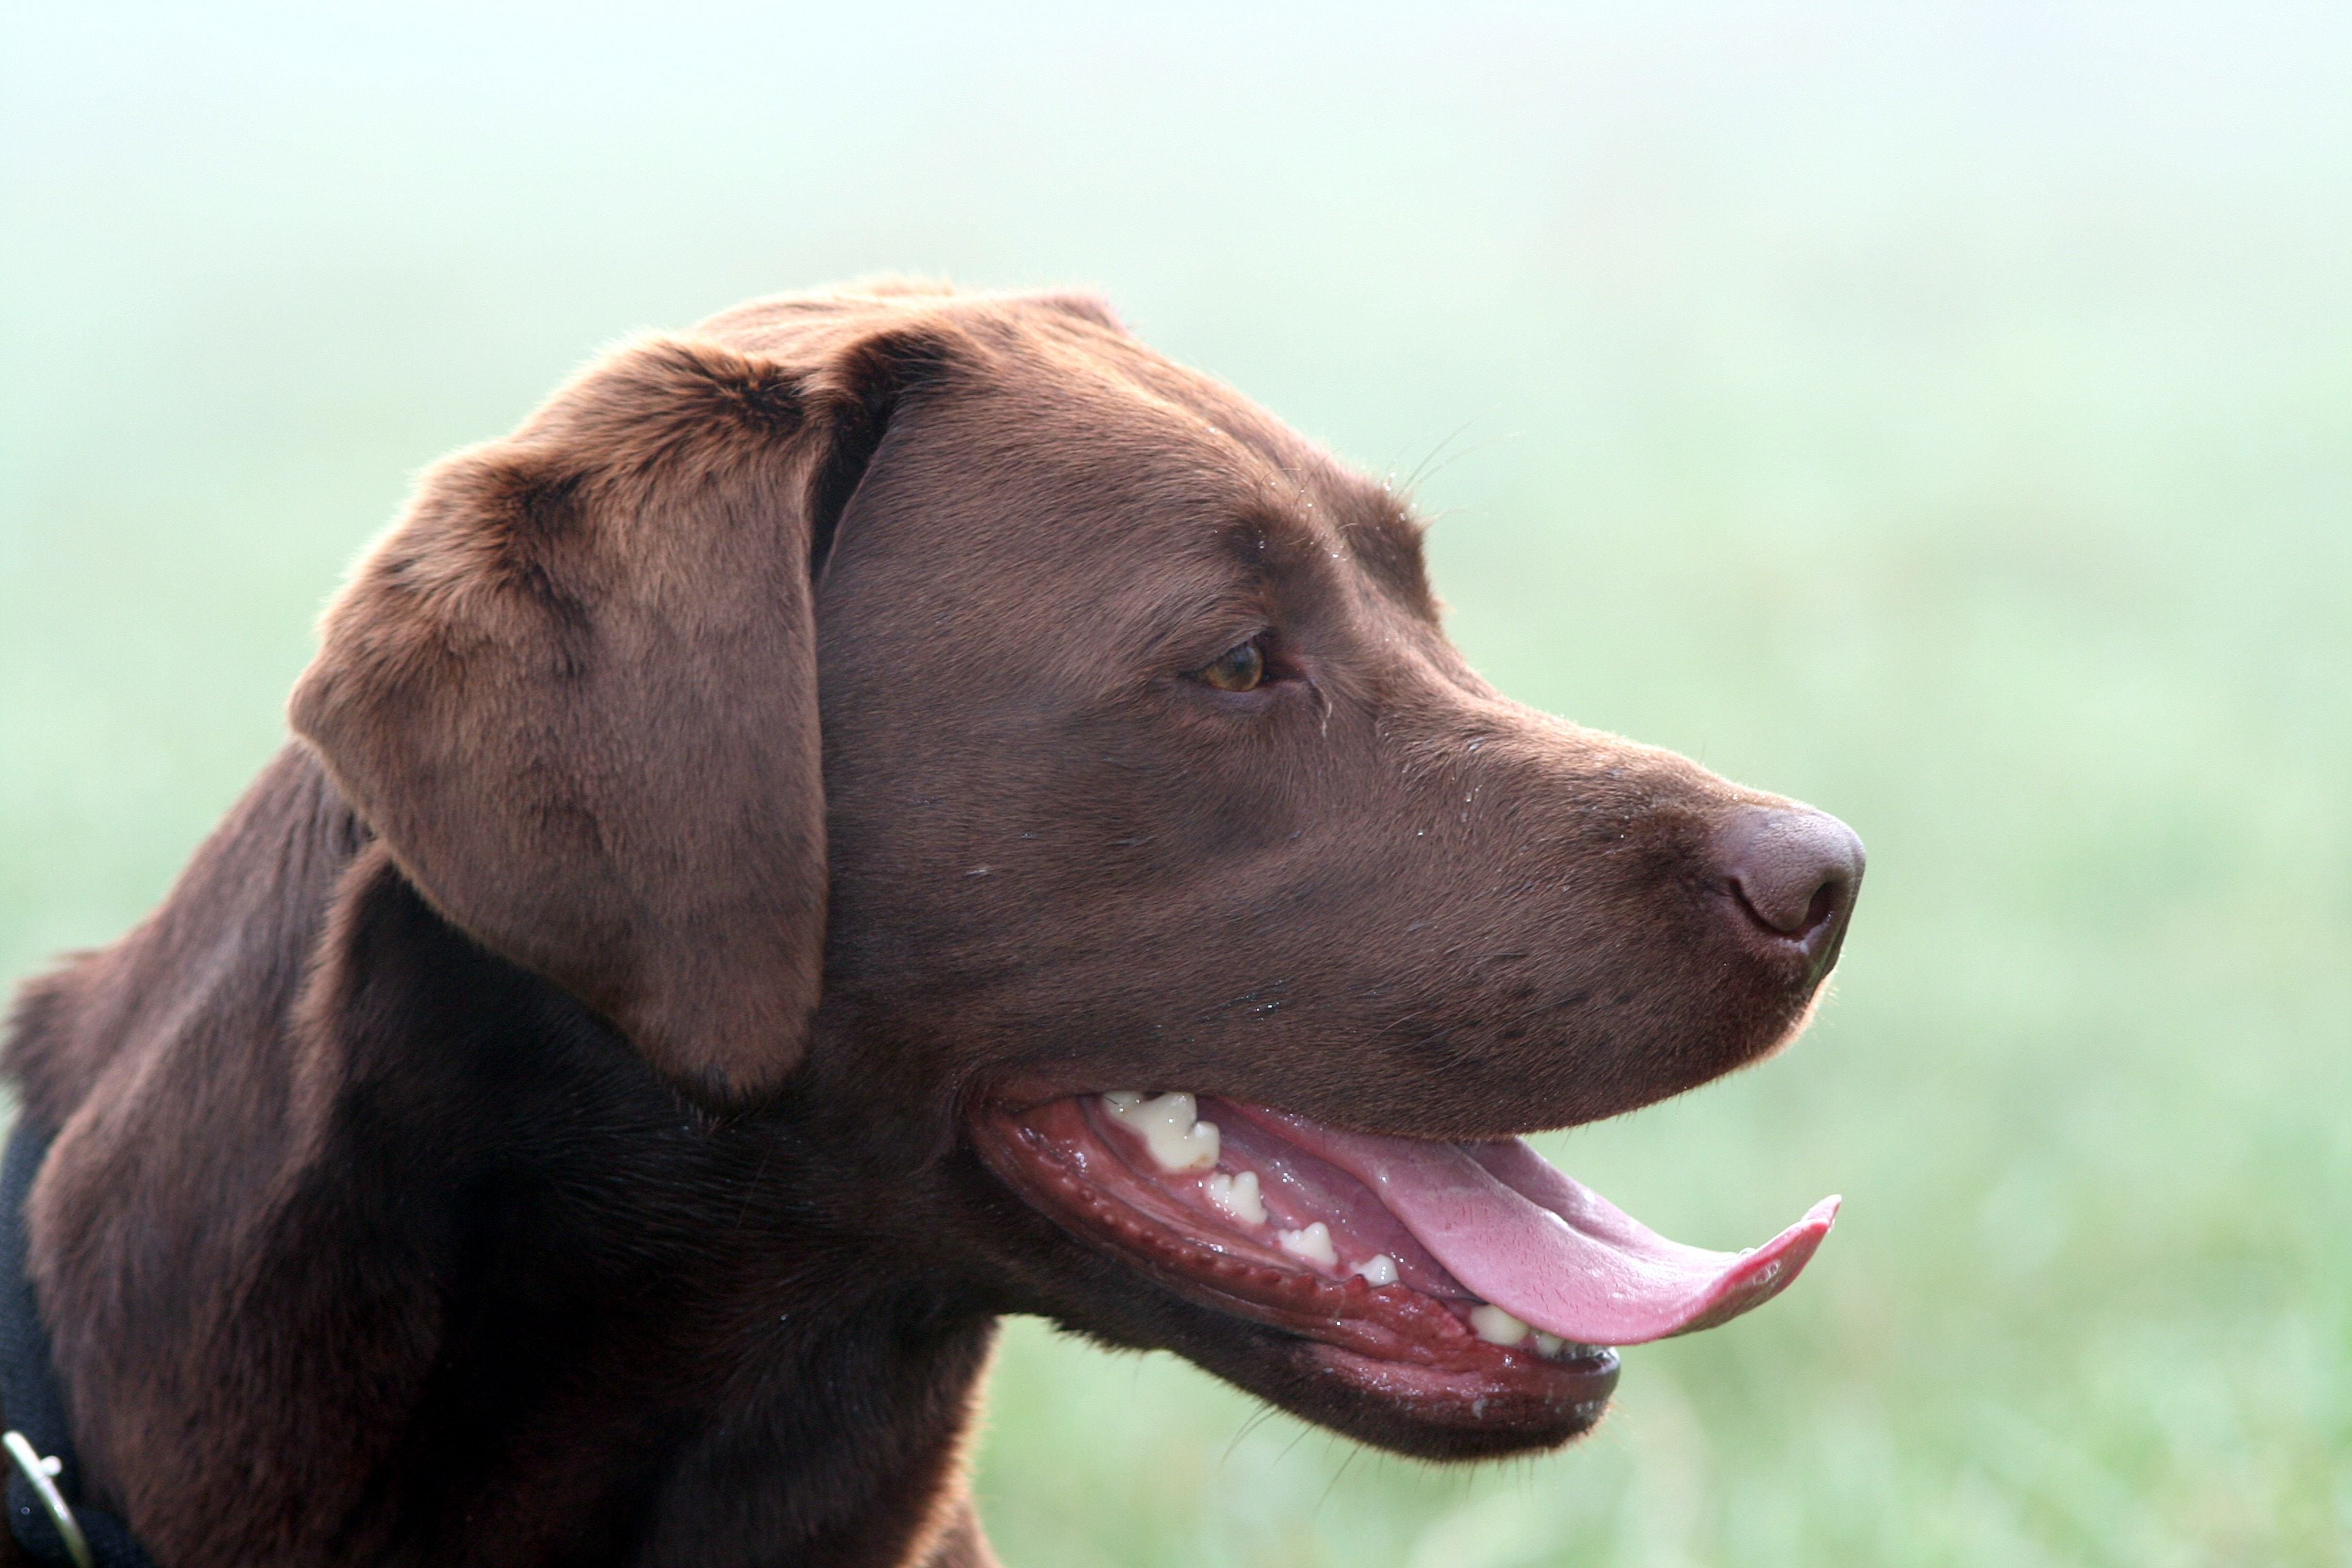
(889, 809)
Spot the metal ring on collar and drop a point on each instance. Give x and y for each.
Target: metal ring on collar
(42, 1475)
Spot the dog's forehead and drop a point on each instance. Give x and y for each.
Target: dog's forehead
(1052, 441)
(1047, 382)
(1181, 457)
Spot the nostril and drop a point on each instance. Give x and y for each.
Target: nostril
(1795, 872)
(1777, 917)
(1824, 905)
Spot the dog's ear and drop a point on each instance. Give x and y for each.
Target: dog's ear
(574, 691)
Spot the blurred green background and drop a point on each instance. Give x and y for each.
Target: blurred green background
(1940, 413)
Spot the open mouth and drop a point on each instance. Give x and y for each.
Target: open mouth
(1471, 1284)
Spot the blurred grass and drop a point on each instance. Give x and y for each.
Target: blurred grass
(1943, 417)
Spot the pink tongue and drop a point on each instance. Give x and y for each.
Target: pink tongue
(1549, 1250)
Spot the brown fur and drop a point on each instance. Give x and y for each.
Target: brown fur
(529, 1132)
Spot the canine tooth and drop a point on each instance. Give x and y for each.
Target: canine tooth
(1171, 1128)
(1238, 1197)
(1498, 1327)
(1549, 1346)
(1378, 1269)
(1312, 1244)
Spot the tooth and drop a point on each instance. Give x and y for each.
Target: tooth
(1498, 1327)
(1312, 1244)
(1549, 1346)
(1171, 1128)
(1378, 1269)
(1238, 1197)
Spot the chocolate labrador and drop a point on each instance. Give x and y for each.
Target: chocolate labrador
(886, 810)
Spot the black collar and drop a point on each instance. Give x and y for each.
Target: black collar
(37, 1439)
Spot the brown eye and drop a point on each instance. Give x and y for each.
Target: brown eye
(1236, 669)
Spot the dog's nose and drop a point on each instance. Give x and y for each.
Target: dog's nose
(1795, 873)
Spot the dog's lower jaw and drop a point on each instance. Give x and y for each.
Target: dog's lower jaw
(1493, 1406)
(1387, 1405)
(1414, 1410)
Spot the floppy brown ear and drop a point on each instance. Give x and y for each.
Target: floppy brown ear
(574, 691)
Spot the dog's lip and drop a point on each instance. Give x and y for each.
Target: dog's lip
(1561, 1406)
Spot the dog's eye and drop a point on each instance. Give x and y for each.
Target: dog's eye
(1237, 669)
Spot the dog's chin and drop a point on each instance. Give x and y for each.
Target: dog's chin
(1444, 1300)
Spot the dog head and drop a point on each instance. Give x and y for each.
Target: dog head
(944, 711)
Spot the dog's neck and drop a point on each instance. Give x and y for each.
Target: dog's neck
(349, 1221)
